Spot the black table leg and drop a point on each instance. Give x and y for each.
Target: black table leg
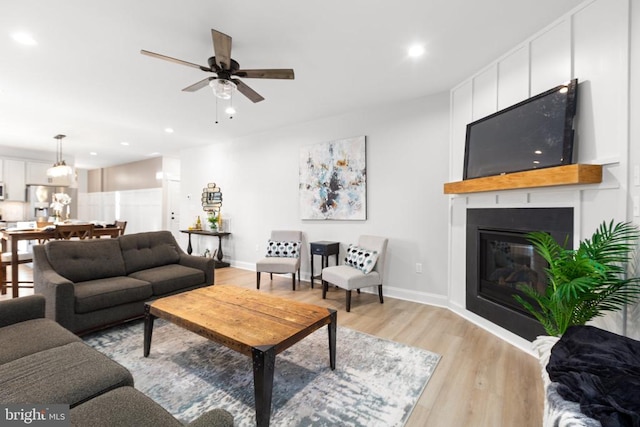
(219, 248)
(189, 247)
(311, 271)
(148, 329)
(264, 361)
(332, 328)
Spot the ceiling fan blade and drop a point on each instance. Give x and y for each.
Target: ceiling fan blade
(247, 91)
(197, 86)
(222, 49)
(284, 73)
(177, 61)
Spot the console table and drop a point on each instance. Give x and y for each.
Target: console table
(219, 234)
(325, 249)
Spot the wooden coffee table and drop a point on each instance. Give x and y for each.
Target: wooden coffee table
(247, 321)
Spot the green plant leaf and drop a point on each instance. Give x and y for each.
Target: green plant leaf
(586, 282)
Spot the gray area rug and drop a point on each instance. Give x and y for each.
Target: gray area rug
(376, 382)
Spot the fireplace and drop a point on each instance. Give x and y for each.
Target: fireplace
(499, 257)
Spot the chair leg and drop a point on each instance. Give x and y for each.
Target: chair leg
(358, 290)
(3, 280)
(257, 280)
(271, 276)
(325, 288)
(348, 301)
(293, 280)
(380, 294)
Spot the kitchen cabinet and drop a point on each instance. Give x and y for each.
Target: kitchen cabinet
(14, 180)
(36, 174)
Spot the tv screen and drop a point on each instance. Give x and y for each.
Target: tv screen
(533, 134)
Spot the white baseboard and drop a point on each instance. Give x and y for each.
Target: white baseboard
(503, 334)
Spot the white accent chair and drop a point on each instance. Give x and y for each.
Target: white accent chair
(281, 265)
(349, 278)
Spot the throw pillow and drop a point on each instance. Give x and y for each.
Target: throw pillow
(360, 258)
(283, 249)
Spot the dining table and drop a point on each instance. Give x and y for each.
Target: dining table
(11, 237)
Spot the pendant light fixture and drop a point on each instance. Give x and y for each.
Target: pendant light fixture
(59, 168)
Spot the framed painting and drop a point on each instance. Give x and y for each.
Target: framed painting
(333, 180)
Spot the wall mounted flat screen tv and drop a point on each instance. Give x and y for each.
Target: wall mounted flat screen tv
(533, 134)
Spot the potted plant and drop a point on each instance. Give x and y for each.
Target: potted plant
(586, 282)
(212, 218)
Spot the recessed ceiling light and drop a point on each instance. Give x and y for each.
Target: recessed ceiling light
(416, 50)
(124, 143)
(24, 38)
(93, 153)
(168, 130)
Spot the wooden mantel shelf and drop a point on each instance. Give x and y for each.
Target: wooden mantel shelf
(548, 177)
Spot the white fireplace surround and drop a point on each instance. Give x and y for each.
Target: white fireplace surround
(575, 46)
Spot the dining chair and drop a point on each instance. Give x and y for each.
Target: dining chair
(23, 258)
(74, 231)
(282, 257)
(363, 267)
(122, 225)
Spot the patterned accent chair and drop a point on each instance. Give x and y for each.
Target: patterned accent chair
(363, 267)
(282, 257)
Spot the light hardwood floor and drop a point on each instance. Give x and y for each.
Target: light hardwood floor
(480, 380)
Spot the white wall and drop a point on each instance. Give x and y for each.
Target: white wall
(591, 44)
(406, 149)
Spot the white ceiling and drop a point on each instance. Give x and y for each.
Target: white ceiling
(87, 79)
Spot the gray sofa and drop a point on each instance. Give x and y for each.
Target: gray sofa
(91, 284)
(43, 363)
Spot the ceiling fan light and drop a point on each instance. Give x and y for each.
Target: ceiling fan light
(222, 88)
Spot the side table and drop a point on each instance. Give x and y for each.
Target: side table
(325, 249)
(219, 234)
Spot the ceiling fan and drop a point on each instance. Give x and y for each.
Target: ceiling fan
(226, 70)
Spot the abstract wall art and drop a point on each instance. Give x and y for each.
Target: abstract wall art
(333, 180)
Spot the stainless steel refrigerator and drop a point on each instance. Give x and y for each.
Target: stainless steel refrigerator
(40, 197)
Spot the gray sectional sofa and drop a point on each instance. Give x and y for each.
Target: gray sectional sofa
(43, 363)
(91, 284)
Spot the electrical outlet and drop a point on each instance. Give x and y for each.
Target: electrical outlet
(418, 267)
(257, 247)
(636, 205)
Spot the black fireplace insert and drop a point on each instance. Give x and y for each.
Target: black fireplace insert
(500, 258)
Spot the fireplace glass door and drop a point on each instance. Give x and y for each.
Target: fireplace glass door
(508, 260)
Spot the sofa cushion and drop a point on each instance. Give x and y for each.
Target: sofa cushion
(124, 406)
(82, 260)
(170, 278)
(110, 292)
(70, 374)
(147, 250)
(24, 338)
